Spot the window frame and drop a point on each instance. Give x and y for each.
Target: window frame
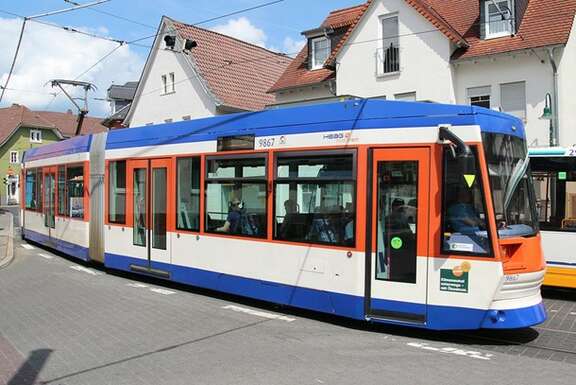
(17, 157)
(84, 200)
(109, 189)
(313, 64)
(33, 171)
(254, 180)
(35, 138)
(282, 180)
(490, 251)
(471, 94)
(383, 46)
(176, 191)
(487, 22)
(58, 169)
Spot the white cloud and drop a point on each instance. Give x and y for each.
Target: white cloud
(47, 53)
(292, 47)
(243, 29)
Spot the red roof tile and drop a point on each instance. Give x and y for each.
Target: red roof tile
(18, 115)
(545, 23)
(238, 73)
(297, 74)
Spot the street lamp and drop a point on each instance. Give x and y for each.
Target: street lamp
(548, 115)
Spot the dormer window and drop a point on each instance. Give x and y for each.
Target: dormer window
(498, 18)
(320, 51)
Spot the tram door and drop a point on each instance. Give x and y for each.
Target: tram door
(49, 175)
(397, 260)
(148, 181)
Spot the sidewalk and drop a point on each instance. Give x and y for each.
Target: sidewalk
(6, 238)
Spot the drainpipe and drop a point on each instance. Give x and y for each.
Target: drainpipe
(555, 120)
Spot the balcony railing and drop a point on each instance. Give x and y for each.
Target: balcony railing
(388, 59)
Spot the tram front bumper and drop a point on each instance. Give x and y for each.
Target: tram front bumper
(518, 302)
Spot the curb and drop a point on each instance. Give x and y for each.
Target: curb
(9, 253)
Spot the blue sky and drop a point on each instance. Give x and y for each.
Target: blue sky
(49, 53)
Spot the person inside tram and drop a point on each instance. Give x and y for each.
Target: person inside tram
(462, 215)
(232, 224)
(287, 228)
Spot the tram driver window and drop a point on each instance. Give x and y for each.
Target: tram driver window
(236, 196)
(464, 226)
(75, 191)
(315, 198)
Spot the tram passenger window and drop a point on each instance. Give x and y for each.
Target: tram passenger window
(39, 184)
(188, 190)
(61, 190)
(315, 198)
(75, 191)
(117, 192)
(236, 196)
(464, 226)
(31, 190)
(555, 182)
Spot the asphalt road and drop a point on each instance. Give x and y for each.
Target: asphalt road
(62, 322)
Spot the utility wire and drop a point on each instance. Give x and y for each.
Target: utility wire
(113, 15)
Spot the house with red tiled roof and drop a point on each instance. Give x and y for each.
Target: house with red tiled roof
(516, 56)
(216, 74)
(22, 129)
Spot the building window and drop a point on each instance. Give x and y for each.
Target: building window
(172, 85)
(499, 18)
(406, 96)
(315, 198)
(479, 96)
(13, 156)
(188, 194)
(389, 54)
(513, 99)
(236, 196)
(117, 192)
(75, 191)
(164, 84)
(35, 136)
(320, 49)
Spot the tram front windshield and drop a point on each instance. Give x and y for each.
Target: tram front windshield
(511, 185)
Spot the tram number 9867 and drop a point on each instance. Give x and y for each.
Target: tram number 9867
(266, 142)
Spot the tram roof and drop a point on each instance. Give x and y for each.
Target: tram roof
(340, 116)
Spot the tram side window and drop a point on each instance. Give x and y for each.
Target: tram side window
(464, 221)
(236, 196)
(62, 190)
(117, 192)
(555, 185)
(315, 199)
(188, 190)
(75, 191)
(32, 201)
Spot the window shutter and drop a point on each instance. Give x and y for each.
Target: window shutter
(513, 99)
(482, 24)
(478, 91)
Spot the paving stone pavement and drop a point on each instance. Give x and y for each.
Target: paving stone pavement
(65, 326)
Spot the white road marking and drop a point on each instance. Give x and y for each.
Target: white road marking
(450, 350)
(137, 285)
(85, 270)
(162, 291)
(27, 246)
(553, 311)
(258, 313)
(45, 256)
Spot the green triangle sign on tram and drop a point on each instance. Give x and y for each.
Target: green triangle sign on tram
(470, 178)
